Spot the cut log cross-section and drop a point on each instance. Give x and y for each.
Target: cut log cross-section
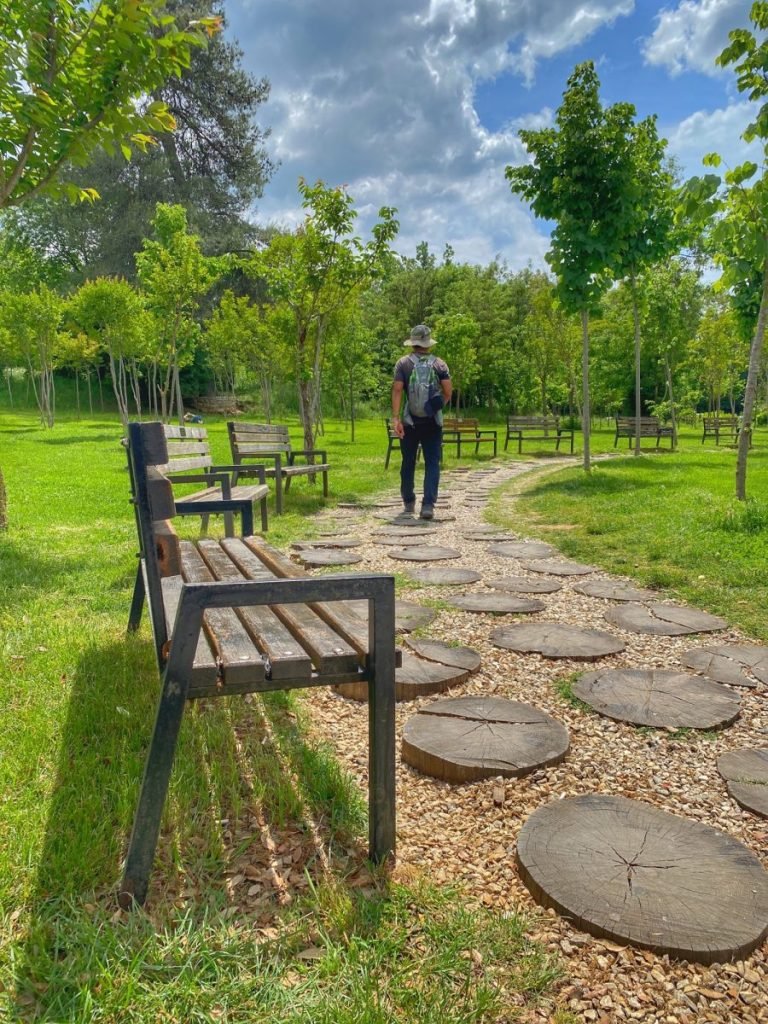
(746, 772)
(623, 870)
(554, 640)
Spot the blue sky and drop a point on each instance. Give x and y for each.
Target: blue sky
(417, 103)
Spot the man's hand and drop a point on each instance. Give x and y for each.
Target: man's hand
(397, 426)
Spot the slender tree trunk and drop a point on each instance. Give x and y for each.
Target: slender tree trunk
(750, 392)
(638, 396)
(10, 388)
(585, 410)
(101, 388)
(3, 504)
(90, 391)
(671, 393)
(77, 393)
(352, 407)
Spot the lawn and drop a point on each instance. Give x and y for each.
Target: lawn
(249, 786)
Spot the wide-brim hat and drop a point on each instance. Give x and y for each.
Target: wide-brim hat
(421, 337)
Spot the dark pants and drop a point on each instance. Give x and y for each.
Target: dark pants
(430, 436)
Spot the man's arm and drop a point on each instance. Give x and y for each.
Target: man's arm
(447, 388)
(397, 401)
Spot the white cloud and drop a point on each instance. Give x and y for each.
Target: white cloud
(716, 131)
(692, 35)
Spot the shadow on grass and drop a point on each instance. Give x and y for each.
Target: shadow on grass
(85, 439)
(25, 572)
(249, 798)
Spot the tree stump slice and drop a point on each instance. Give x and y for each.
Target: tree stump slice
(663, 619)
(497, 604)
(327, 542)
(489, 537)
(727, 662)
(316, 557)
(413, 538)
(746, 772)
(623, 870)
(414, 521)
(437, 650)
(557, 566)
(525, 585)
(443, 576)
(484, 530)
(554, 640)
(417, 677)
(522, 549)
(610, 591)
(657, 697)
(464, 739)
(408, 614)
(424, 553)
(405, 531)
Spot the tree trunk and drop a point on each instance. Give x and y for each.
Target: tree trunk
(3, 504)
(750, 392)
(638, 396)
(77, 393)
(585, 410)
(670, 392)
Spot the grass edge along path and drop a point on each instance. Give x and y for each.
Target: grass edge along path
(670, 523)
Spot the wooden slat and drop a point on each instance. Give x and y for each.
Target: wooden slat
(240, 659)
(286, 657)
(187, 448)
(331, 654)
(205, 671)
(184, 465)
(259, 428)
(339, 617)
(160, 495)
(168, 550)
(252, 448)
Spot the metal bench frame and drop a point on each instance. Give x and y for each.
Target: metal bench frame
(175, 651)
(536, 428)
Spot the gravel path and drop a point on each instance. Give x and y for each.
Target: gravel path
(467, 833)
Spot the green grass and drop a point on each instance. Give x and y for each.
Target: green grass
(668, 521)
(76, 711)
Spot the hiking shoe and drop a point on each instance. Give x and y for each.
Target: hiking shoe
(427, 512)
(409, 507)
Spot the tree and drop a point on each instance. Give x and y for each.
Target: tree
(214, 164)
(458, 334)
(719, 353)
(576, 180)
(175, 277)
(33, 320)
(736, 214)
(313, 273)
(72, 77)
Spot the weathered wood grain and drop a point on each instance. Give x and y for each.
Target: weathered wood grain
(554, 640)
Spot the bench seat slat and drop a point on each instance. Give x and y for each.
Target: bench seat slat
(205, 670)
(240, 659)
(285, 656)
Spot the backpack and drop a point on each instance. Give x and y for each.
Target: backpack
(423, 385)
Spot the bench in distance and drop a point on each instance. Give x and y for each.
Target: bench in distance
(267, 442)
(650, 426)
(536, 428)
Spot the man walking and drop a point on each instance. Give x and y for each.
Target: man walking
(425, 381)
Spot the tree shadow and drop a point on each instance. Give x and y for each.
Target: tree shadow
(85, 439)
(26, 571)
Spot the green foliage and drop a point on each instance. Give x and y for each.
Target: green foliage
(73, 74)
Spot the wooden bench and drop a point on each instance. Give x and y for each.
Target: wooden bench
(236, 616)
(266, 442)
(188, 450)
(714, 426)
(467, 431)
(650, 426)
(536, 428)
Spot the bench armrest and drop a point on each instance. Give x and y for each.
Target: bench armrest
(257, 471)
(211, 479)
(241, 506)
(322, 452)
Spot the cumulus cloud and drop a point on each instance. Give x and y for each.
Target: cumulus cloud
(716, 131)
(380, 97)
(692, 35)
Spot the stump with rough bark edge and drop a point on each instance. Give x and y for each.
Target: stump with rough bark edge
(608, 590)
(658, 698)
(425, 553)
(623, 870)
(746, 773)
(522, 549)
(554, 640)
(557, 566)
(497, 604)
(463, 739)
(525, 585)
(663, 619)
(443, 576)
(313, 558)
(726, 663)
(437, 650)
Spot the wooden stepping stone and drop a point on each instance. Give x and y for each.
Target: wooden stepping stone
(463, 739)
(522, 549)
(663, 619)
(408, 614)
(417, 677)
(424, 553)
(554, 640)
(317, 557)
(327, 542)
(412, 537)
(497, 604)
(443, 576)
(557, 566)
(611, 591)
(657, 697)
(746, 772)
(525, 585)
(405, 531)
(437, 650)
(726, 663)
(483, 530)
(623, 870)
(488, 536)
(415, 521)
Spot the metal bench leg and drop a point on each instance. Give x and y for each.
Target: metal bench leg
(279, 492)
(325, 483)
(137, 601)
(264, 521)
(381, 727)
(390, 446)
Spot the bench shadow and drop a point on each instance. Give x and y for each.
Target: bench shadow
(253, 820)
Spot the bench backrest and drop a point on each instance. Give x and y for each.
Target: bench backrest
(186, 449)
(254, 440)
(629, 422)
(532, 421)
(461, 424)
(721, 421)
